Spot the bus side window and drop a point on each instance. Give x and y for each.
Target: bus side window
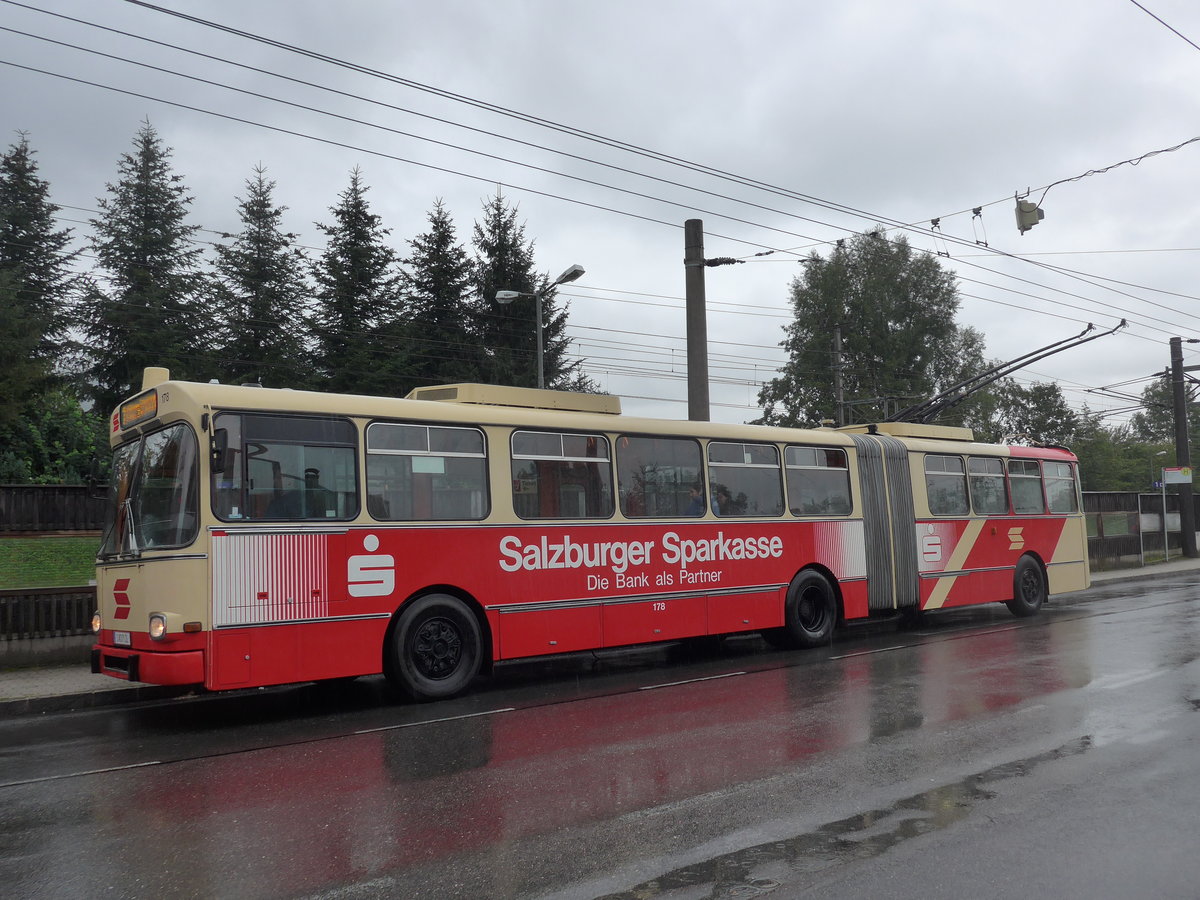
(659, 477)
(946, 485)
(426, 472)
(989, 496)
(1060, 487)
(295, 468)
(1025, 482)
(561, 475)
(818, 481)
(745, 479)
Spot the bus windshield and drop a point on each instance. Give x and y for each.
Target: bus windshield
(153, 494)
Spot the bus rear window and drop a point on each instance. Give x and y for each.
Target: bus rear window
(561, 476)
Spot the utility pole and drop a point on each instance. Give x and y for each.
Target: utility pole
(697, 320)
(838, 391)
(1183, 457)
(697, 324)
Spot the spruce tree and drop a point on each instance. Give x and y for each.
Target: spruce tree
(262, 295)
(438, 282)
(508, 333)
(149, 308)
(36, 281)
(357, 299)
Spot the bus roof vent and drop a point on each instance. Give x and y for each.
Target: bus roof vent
(153, 376)
(914, 430)
(526, 398)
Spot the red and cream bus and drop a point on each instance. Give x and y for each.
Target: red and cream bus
(263, 536)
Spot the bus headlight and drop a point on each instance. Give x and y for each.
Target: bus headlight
(158, 626)
(96, 622)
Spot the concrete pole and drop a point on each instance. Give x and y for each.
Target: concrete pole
(1183, 457)
(697, 322)
(838, 391)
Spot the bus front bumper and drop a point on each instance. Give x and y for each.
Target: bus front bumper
(184, 667)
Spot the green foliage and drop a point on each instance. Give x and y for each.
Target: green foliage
(152, 311)
(900, 343)
(260, 292)
(1037, 414)
(47, 561)
(52, 441)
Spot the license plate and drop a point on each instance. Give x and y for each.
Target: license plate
(121, 639)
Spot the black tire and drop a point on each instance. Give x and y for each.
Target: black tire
(436, 648)
(811, 610)
(1029, 588)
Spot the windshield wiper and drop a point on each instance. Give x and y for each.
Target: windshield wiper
(134, 550)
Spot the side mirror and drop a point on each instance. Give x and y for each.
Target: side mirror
(218, 446)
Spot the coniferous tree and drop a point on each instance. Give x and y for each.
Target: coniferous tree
(508, 333)
(152, 309)
(900, 341)
(357, 299)
(36, 282)
(442, 347)
(262, 295)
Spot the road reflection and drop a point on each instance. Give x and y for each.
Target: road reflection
(290, 820)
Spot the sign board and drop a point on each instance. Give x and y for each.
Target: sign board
(1177, 475)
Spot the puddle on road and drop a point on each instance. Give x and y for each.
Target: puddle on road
(754, 871)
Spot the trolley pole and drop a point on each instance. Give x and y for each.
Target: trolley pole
(1183, 458)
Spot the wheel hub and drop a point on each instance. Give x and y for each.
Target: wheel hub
(437, 648)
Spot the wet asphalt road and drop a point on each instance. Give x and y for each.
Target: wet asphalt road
(978, 755)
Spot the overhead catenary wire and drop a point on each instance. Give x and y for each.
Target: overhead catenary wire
(1017, 307)
(528, 118)
(1126, 312)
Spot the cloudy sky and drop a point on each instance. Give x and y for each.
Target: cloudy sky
(844, 115)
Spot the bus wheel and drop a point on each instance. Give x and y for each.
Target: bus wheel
(811, 610)
(1029, 588)
(436, 648)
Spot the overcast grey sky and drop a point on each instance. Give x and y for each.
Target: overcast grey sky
(889, 111)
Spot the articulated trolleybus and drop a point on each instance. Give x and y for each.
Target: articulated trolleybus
(263, 536)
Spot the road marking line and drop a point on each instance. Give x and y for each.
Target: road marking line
(153, 762)
(655, 687)
(490, 712)
(869, 652)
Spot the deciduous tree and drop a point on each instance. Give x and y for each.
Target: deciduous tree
(900, 342)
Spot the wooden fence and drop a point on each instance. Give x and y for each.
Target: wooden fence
(50, 507)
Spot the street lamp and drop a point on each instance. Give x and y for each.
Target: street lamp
(506, 297)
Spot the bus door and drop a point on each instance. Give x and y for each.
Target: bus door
(888, 519)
